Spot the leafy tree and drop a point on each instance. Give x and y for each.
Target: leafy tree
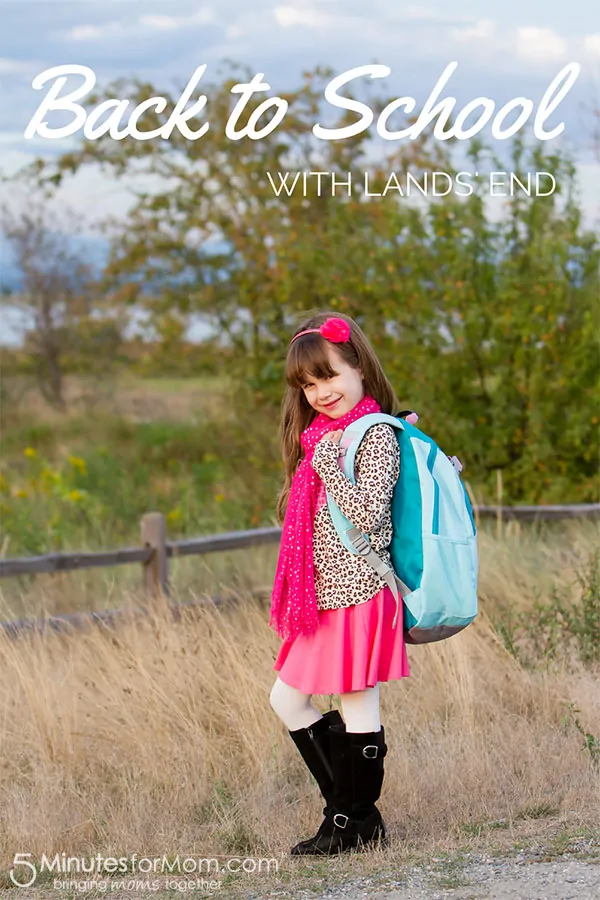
(216, 237)
(488, 327)
(59, 301)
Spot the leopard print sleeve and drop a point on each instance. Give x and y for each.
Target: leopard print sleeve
(376, 467)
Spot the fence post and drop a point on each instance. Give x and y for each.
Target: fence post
(474, 504)
(499, 493)
(155, 576)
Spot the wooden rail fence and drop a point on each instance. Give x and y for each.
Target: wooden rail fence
(155, 552)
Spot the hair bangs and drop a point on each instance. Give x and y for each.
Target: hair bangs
(307, 357)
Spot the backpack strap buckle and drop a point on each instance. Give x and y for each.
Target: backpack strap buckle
(361, 544)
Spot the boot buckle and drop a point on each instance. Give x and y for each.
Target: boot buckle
(340, 816)
(370, 747)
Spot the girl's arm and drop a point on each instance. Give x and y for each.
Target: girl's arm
(377, 467)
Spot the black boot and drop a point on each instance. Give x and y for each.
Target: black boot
(313, 744)
(354, 821)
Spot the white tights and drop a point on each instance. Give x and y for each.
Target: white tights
(360, 709)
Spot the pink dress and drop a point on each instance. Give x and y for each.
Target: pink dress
(352, 649)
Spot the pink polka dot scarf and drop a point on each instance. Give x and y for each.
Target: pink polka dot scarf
(293, 600)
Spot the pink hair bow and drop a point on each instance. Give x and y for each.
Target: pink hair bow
(333, 329)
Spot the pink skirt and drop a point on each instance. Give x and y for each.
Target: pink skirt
(352, 649)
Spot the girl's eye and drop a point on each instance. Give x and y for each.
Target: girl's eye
(309, 383)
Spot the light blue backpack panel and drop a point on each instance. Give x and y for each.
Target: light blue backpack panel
(434, 543)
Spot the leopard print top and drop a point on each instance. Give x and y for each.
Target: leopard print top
(343, 578)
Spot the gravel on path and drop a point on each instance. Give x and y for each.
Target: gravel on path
(526, 874)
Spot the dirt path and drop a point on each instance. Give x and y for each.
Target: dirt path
(538, 861)
(531, 861)
(481, 879)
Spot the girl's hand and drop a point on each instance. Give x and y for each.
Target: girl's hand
(334, 436)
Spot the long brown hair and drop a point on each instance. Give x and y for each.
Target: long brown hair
(309, 355)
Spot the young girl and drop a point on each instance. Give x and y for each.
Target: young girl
(332, 609)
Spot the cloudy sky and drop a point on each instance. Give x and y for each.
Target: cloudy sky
(504, 50)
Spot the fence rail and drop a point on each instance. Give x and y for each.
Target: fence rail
(66, 562)
(156, 550)
(154, 546)
(67, 623)
(530, 513)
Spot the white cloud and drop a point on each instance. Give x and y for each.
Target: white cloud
(288, 16)
(155, 22)
(481, 30)
(233, 32)
(591, 43)
(170, 23)
(420, 12)
(163, 23)
(427, 14)
(15, 139)
(14, 66)
(540, 44)
(93, 32)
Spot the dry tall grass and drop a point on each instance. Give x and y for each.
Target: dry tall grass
(159, 738)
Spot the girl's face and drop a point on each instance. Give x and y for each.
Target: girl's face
(339, 394)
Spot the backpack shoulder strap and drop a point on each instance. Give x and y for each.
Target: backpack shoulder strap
(355, 432)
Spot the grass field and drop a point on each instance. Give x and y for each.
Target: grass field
(82, 481)
(159, 738)
(128, 395)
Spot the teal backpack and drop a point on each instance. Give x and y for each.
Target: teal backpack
(434, 544)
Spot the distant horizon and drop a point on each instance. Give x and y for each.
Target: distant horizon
(10, 275)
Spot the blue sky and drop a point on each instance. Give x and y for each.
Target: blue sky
(503, 50)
